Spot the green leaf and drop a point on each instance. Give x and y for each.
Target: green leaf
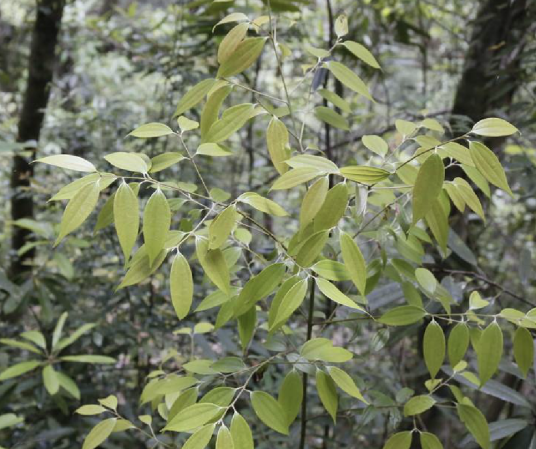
(476, 302)
(99, 433)
(228, 365)
(426, 280)
(185, 124)
(430, 441)
(269, 411)
(362, 53)
(19, 369)
(194, 96)
(437, 220)
(523, 350)
(211, 110)
(323, 349)
(140, 268)
(35, 337)
(90, 410)
(127, 161)
(476, 423)
(295, 177)
(224, 439)
(278, 298)
(341, 25)
(19, 344)
(494, 127)
(469, 196)
(333, 293)
(64, 342)
(156, 224)
(233, 17)
(349, 79)
(232, 120)
(68, 385)
(401, 440)
(428, 186)
(313, 201)
(200, 438)
(9, 420)
(213, 263)
(375, 144)
(58, 329)
(259, 287)
(151, 130)
(337, 101)
(50, 380)
(126, 218)
(277, 141)
(364, 175)
(291, 395)
(78, 209)
(333, 208)
(241, 433)
(331, 117)
(262, 204)
(434, 348)
(405, 128)
(181, 286)
(311, 248)
(165, 160)
(332, 270)
(246, 326)
(213, 150)
(418, 404)
(354, 261)
(402, 316)
(70, 162)
(458, 343)
(345, 383)
(489, 352)
(97, 359)
(221, 227)
(327, 393)
(231, 40)
(290, 302)
(192, 417)
(489, 165)
(243, 57)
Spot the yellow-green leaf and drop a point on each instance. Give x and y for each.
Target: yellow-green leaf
(241, 433)
(289, 303)
(211, 110)
(193, 417)
(434, 348)
(99, 433)
(333, 208)
(428, 186)
(489, 352)
(243, 56)
(337, 101)
(165, 160)
(291, 395)
(349, 79)
(458, 343)
(181, 286)
(277, 141)
(375, 144)
(331, 117)
(231, 40)
(312, 201)
(295, 177)
(91, 409)
(231, 121)
(402, 316)
(494, 127)
(126, 218)
(151, 130)
(140, 268)
(333, 293)
(489, 165)
(476, 423)
(200, 438)
(364, 175)
(327, 393)
(68, 161)
(263, 204)
(401, 440)
(221, 227)
(332, 270)
(50, 380)
(269, 411)
(430, 441)
(418, 404)
(346, 383)
(78, 209)
(362, 53)
(224, 439)
(127, 161)
(311, 248)
(213, 262)
(354, 261)
(194, 96)
(156, 223)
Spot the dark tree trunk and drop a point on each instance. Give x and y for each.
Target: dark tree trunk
(40, 72)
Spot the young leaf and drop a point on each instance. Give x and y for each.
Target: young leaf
(434, 348)
(476, 423)
(126, 218)
(428, 186)
(181, 286)
(341, 25)
(156, 223)
(244, 55)
(349, 79)
(99, 433)
(418, 404)
(401, 440)
(489, 352)
(458, 343)
(362, 53)
(211, 110)
(345, 383)
(354, 261)
(375, 144)
(291, 395)
(221, 227)
(165, 160)
(231, 41)
(224, 439)
(494, 127)
(269, 411)
(78, 209)
(214, 265)
(70, 162)
(327, 393)
(241, 433)
(194, 96)
(151, 130)
(277, 141)
(127, 161)
(333, 293)
(89, 410)
(523, 350)
(489, 165)
(402, 316)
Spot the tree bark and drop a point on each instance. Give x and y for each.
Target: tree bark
(40, 72)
